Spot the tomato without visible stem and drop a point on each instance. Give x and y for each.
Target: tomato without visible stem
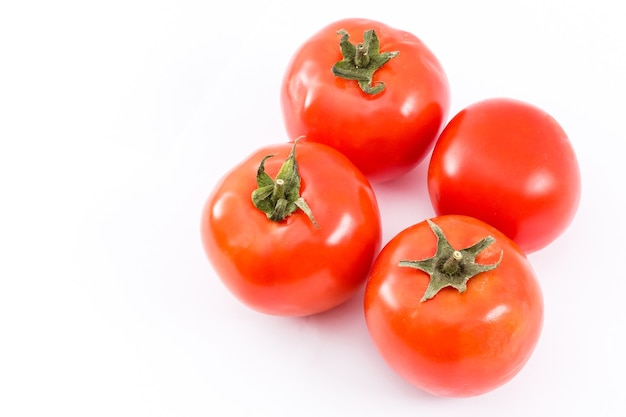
(305, 263)
(385, 133)
(468, 329)
(509, 164)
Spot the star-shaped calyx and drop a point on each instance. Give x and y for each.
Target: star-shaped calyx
(450, 267)
(279, 198)
(362, 60)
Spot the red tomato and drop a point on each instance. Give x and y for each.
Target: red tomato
(385, 133)
(509, 164)
(300, 265)
(472, 326)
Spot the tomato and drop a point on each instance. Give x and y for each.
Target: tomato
(510, 164)
(309, 245)
(453, 306)
(384, 115)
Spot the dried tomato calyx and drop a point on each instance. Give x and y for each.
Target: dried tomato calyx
(279, 198)
(450, 267)
(362, 60)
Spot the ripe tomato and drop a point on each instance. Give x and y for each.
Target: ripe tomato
(384, 115)
(463, 328)
(509, 164)
(312, 246)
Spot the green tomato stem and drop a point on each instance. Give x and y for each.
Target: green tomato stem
(279, 198)
(361, 57)
(450, 267)
(279, 190)
(453, 264)
(361, 61)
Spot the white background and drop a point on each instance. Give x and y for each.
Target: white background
(116, 119)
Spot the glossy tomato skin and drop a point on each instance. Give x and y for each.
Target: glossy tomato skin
(454, 344)
(292, 268)
(509, 164)
(385, 135)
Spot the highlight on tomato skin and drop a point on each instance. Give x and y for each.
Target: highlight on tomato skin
(483, 322)
(385, 119)
(510, 164)
(309, 244)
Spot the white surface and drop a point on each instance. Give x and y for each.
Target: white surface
(116, 119)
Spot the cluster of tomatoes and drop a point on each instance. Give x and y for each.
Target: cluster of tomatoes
(452, 303)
